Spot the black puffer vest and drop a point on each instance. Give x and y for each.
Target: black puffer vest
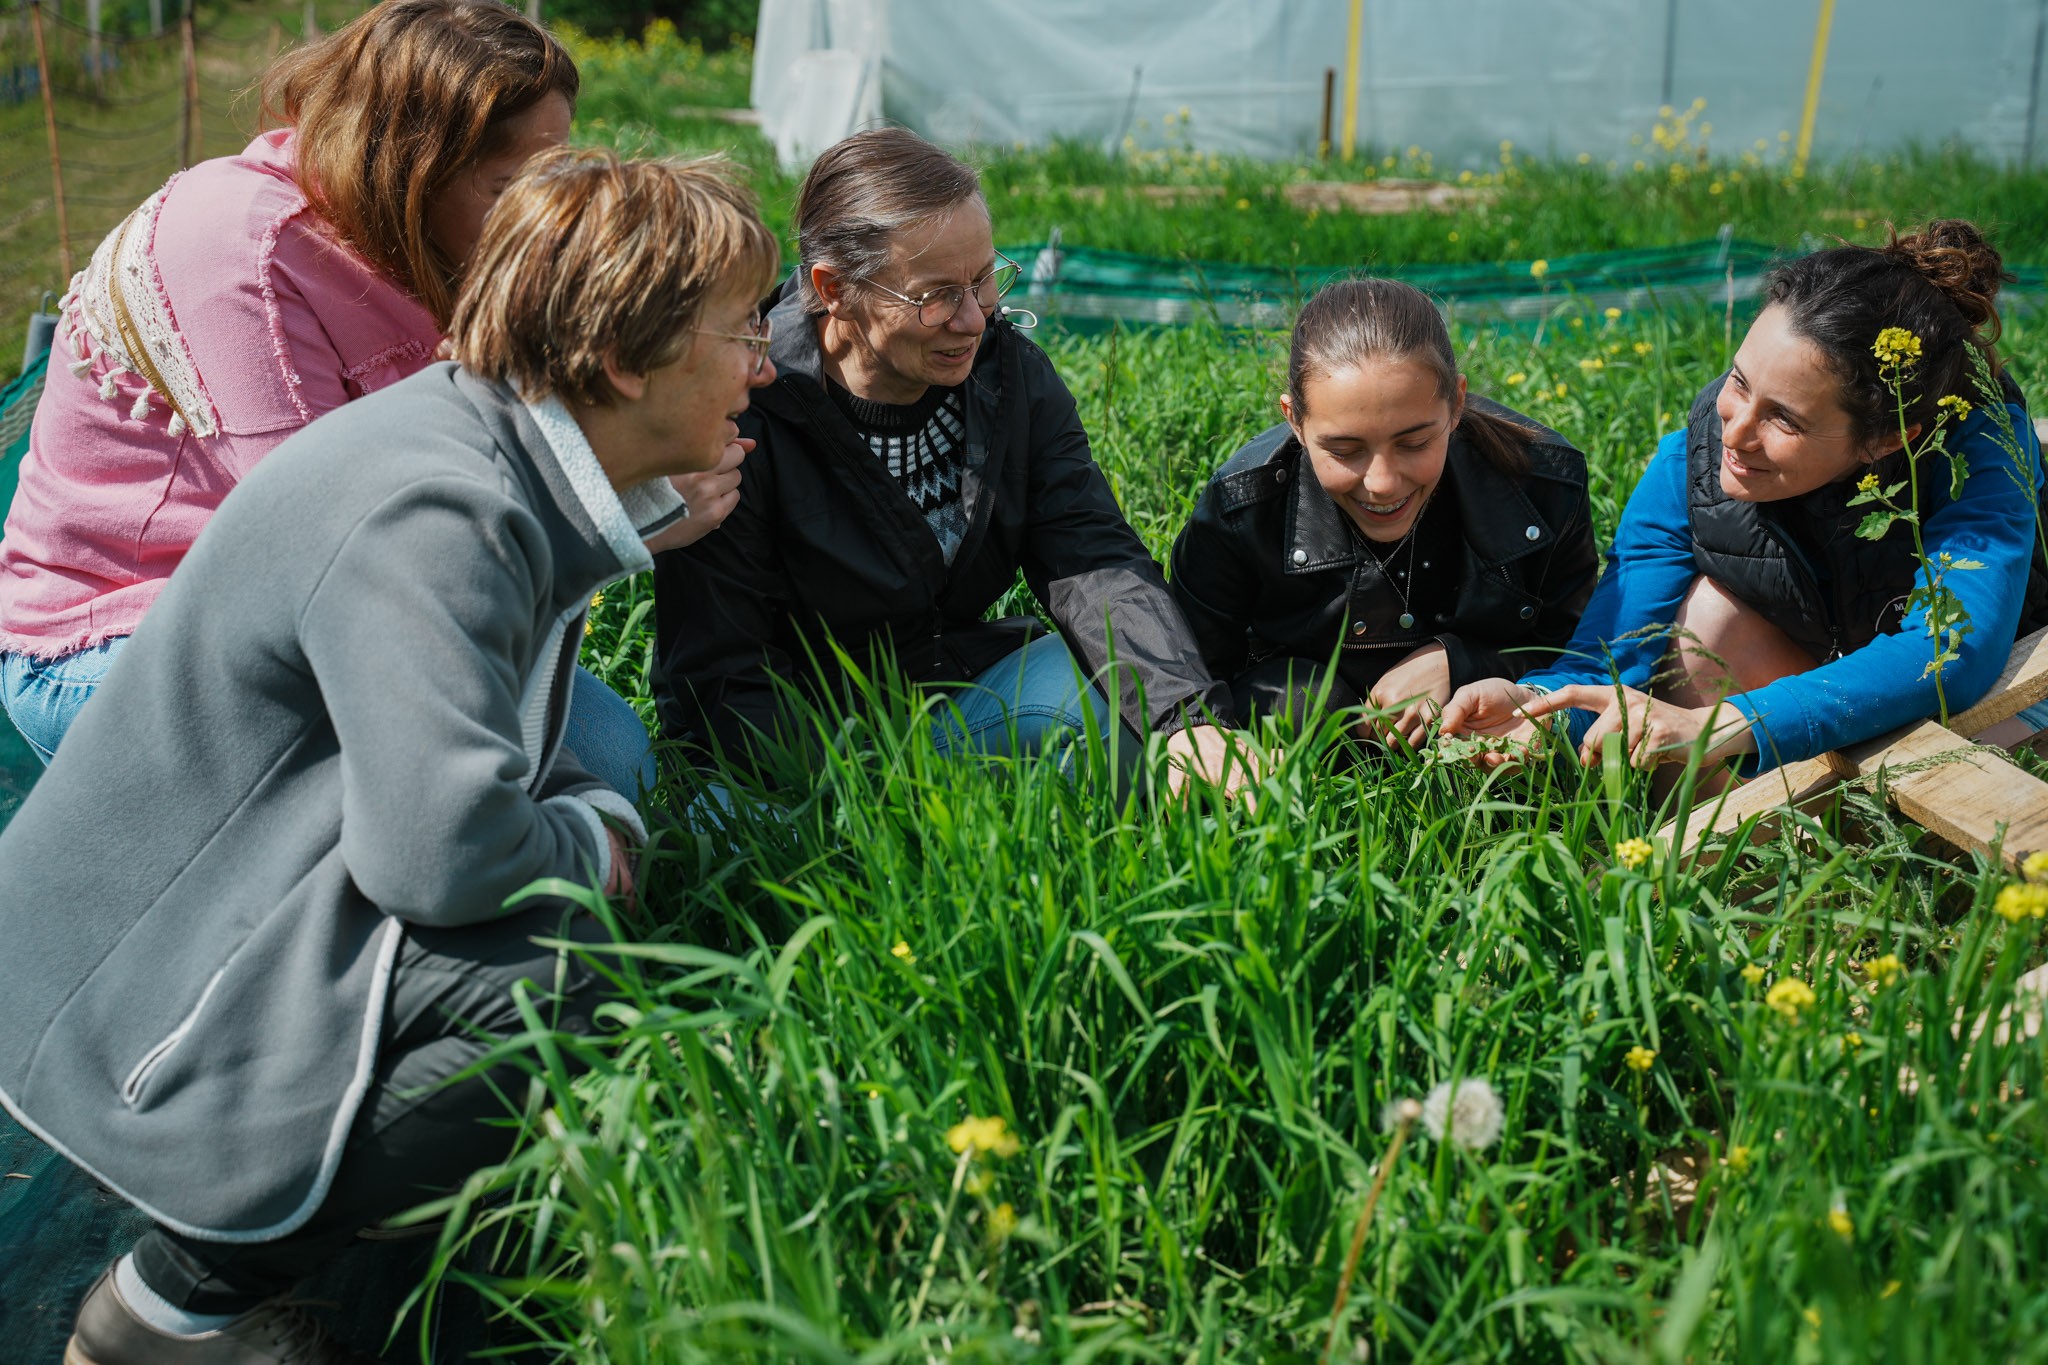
(1800, 562)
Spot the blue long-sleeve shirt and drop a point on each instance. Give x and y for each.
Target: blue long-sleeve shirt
(1867, 691)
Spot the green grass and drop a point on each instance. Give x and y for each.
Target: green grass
(1192, 1020)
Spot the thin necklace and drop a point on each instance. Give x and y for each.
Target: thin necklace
(1406, 620)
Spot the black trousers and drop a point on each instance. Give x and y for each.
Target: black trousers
(415, 1136)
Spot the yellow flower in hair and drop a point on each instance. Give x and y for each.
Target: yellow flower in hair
(1955, 405)
(1896, 346)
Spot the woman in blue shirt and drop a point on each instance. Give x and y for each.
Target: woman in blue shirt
(1739, 602)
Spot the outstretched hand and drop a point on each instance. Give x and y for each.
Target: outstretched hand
(1418, 685)
(1494, 708)
(710, 494)
(1652, 732)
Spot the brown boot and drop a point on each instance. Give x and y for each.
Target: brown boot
(109, 1332)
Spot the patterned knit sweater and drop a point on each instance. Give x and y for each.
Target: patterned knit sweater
(920, 444)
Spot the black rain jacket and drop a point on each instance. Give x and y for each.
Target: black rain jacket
(823, 541)
(1267, 565)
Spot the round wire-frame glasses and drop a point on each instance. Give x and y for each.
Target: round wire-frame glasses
(937, 307)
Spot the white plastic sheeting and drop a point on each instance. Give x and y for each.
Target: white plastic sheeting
(1452, 77)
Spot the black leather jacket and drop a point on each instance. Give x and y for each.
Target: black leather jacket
(824, 541)
(1267, 565)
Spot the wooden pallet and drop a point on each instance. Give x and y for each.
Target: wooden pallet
(1938, 776)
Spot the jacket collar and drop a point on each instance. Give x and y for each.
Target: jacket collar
(1499, 524)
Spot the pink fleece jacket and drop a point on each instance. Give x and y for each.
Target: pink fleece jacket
(281, 322)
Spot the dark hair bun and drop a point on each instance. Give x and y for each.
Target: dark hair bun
(1952, 255)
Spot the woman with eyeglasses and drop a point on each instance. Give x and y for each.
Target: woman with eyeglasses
(914, 452)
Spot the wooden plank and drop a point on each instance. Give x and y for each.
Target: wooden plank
(1801, 785)
(1973, 799)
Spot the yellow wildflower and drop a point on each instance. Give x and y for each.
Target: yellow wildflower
(1244, 203)
(1867, 484)
(1838, 1219)
(1641, 1058)
(596, 600)
(1896, 346)
(1644, 348)
(979, 1183)
(1884, 970)
(1891, 1287)
(2022, 900)
(1002, 1221)
(1955, 405)
(1517, 379)
(1812, 1316)
(2035, 868)
(1612, 314)
(1538, 269)
(1790, 996)
(1753, 974)
(989, 1135)
(902, 950)
(1561, 390)
(1738, 1159)
(1851, 1041)
(1592, 363)
(1633, 853)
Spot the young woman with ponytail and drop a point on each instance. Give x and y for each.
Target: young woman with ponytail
(1395, 537)
(1739, 602)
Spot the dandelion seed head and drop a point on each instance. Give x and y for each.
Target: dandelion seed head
(1470, 1115)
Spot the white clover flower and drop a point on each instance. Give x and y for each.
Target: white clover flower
(1471, 1116)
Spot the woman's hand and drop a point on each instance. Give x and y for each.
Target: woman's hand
(710, 494)
(1420, 684)
(1207, 754)
(1653, 731)
(1493, 707)
(619, 885)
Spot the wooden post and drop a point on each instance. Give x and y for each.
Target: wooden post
(1329, 100)
(1814, 71)
(189, 141)
(1351, 74)
(35, 19)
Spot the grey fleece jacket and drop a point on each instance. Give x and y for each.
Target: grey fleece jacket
(343, 716)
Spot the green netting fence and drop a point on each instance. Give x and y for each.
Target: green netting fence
(1079, 288)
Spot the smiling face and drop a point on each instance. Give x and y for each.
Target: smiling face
(455, 215)
(1377, 435)
(886, 354)
(1783, 430)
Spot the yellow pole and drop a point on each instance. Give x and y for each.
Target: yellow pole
(1351, 79)
(1813, 74)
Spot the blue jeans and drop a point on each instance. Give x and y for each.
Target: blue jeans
(43, 697)
(1032, 700)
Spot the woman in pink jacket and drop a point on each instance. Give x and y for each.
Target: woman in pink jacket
(253, 293)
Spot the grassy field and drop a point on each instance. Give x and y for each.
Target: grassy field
(980, 1062)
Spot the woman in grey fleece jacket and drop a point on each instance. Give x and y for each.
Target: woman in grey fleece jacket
(300, 819)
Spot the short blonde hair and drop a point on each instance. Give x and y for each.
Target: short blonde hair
(588, 255)
(391, 109)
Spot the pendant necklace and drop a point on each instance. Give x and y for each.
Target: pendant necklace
(1406, 620)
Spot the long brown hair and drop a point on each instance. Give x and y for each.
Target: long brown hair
(391, 108)
(1373, 319)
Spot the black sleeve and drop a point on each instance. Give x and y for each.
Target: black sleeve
(1563, 583)
(719, 607)
(1216, 593)
(1095, 577)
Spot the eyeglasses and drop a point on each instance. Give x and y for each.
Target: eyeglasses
(760, 331)
(937, 307)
